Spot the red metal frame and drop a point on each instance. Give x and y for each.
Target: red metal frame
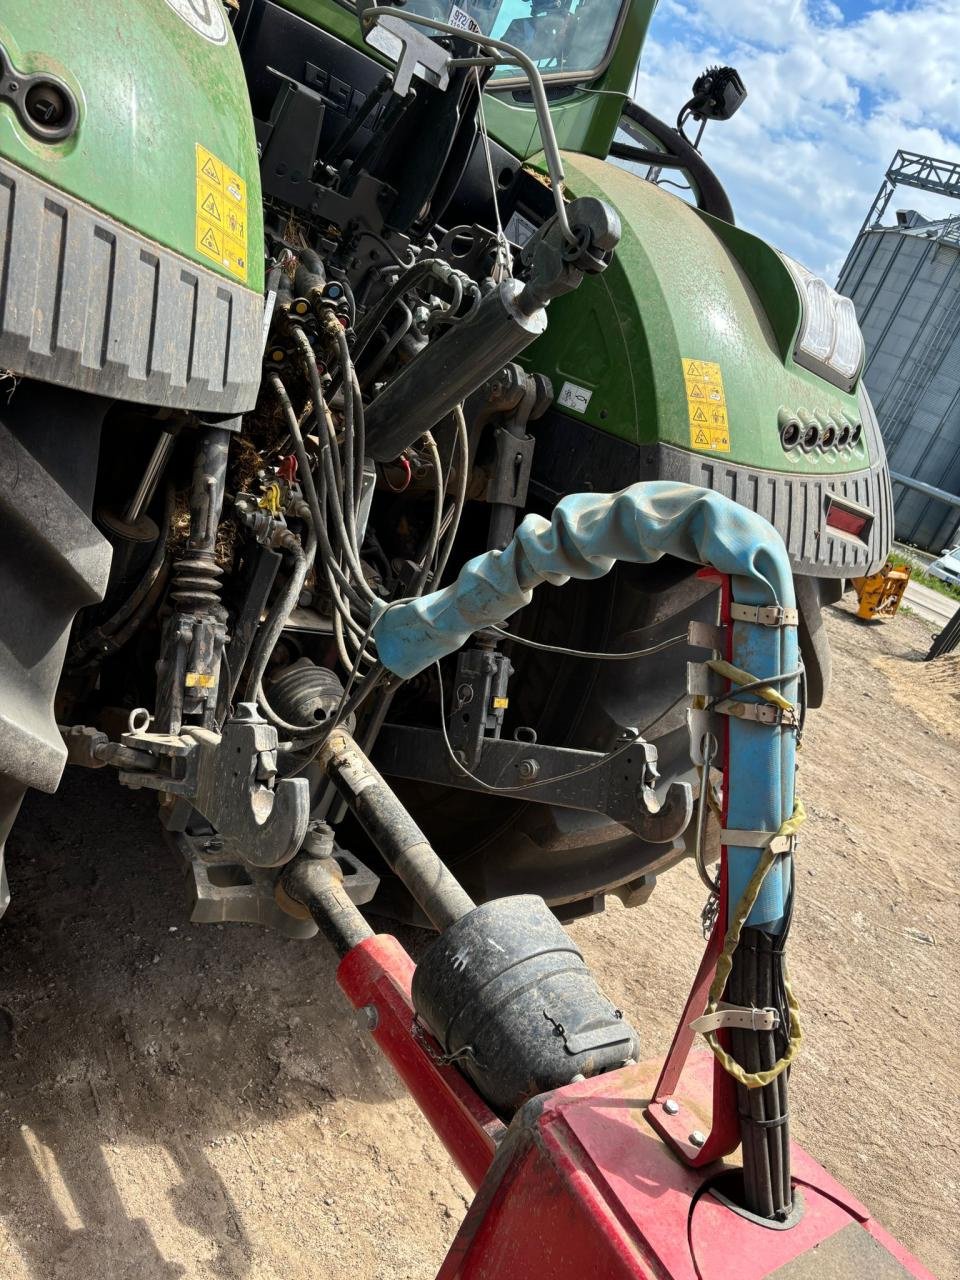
(376, 975)
(580, 1185)
(721, 1125)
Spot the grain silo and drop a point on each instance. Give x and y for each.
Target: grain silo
(904, 279)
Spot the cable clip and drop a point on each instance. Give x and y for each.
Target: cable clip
(732, 1017)
(765, 615)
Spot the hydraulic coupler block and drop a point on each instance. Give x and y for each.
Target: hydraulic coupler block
(509, 998)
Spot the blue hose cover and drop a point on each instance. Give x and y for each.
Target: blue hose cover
(587, 534)
(762, 770)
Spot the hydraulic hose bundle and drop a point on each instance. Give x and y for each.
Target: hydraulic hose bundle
(335, 485)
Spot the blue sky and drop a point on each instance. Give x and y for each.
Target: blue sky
(833, 90)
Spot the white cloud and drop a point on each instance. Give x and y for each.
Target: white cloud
(830, 101)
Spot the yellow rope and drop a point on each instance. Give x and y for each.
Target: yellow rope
(738, 676)
(757, 1079)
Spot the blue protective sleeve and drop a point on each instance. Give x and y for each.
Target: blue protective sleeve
(587, 535)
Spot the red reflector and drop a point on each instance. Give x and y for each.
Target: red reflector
(851, 522)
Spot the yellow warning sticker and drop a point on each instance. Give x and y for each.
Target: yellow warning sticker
(706, 406)
(221, 228)
(210, 204)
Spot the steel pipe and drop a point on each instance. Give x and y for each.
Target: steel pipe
(951, 499)
(150, 478)
(401, 842)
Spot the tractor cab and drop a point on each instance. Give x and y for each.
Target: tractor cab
(564, 38)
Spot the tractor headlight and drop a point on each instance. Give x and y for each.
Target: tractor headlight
(830, 341)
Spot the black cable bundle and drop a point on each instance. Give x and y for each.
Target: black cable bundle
(756, 981)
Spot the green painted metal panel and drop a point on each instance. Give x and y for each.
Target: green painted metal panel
(339, 19)
(150, 89)
(684, 286)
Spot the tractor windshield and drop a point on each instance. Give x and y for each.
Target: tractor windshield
(563, 37)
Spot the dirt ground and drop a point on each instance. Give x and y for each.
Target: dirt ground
(180, 1100)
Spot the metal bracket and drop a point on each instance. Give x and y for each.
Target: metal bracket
(511, 471)
(520, 397)
(706, 635)
(480, 700)
(758, 840)
(288, 143)
(226, 890)
(770, 615)
(704, 685)
(223, 890)
(230, 778)
(619, 785)
(414, 53)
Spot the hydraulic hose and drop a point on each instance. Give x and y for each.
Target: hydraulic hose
(411, 277)
(115, 631)
(585, 537)
(329, 556)
(460, 498)
(279, 614)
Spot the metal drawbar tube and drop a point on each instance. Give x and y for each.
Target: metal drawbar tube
(317, 885)
(401, 842)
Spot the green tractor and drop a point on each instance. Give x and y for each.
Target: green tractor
(302, 307)
(325, 336)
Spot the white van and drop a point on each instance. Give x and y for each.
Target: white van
(948, 566)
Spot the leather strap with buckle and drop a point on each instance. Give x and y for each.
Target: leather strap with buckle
(735, 1017)
(761, 712)
(765, 615)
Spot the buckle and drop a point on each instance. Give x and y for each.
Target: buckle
(765, 615)
(760, 712)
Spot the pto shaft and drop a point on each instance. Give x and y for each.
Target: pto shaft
(401, 842)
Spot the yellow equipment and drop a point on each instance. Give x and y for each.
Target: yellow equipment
(880, 594)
